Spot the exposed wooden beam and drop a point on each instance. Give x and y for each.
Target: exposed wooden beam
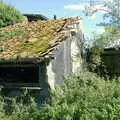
(20, 85)
(29, 88)
(18, 65)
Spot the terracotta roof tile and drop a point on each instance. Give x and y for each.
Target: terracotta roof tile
(32, 39)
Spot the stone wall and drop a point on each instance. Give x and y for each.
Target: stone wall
(61, 65)
(67, 57)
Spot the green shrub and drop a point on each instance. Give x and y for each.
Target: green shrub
(19, 108)
(9, 15)
(83, 97)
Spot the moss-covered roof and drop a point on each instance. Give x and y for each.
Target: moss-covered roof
(32, 39)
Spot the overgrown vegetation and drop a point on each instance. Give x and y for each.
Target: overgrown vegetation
(83, 97)
(10, 34)
(111, 26)
(102, 42)
(9, 15)
(32, 39)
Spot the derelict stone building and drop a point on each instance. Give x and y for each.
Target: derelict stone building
(41, 54)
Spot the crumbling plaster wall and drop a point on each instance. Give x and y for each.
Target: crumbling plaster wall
(67, 56)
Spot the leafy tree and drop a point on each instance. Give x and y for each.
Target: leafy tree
(111, 11)
(111, 25)
(111, 18)
(9, 15)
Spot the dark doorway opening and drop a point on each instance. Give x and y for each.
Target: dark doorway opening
(19, 74)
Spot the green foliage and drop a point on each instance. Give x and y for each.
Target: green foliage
(111, 33)
(19, 108)
(113, 13)
(10, 34)
(94, 53)
(9, 15)
(37, 39)
(111, 21)
(101, 41)
(83, 97)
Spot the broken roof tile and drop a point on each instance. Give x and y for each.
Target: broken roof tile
(32, 39)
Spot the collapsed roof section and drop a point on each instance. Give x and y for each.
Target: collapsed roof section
(32, 40)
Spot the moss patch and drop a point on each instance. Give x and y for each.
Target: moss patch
(10, 34)
(32, 39)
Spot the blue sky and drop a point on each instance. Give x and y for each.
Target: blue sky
(62, 8)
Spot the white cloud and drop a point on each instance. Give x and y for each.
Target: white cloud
(92, 17)
(100, 7)
(109, 0)
(83, 6)
(75, 7)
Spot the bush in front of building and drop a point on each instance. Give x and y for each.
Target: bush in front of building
(9, 15)
(83, 97)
